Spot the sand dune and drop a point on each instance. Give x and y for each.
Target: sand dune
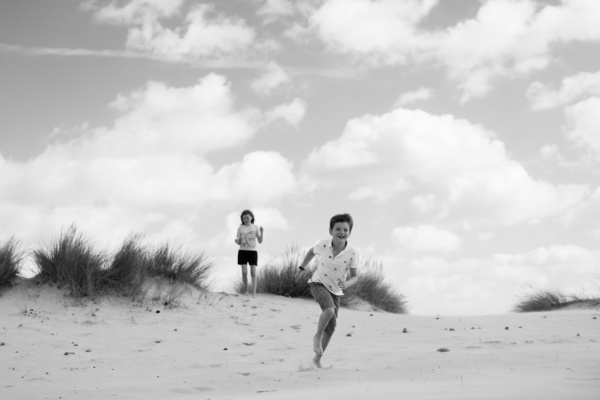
(223, 346)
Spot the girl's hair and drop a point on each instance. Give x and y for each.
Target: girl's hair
(249, 213)
(341, 218)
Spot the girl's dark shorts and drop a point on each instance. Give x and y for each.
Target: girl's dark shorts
(247, 257)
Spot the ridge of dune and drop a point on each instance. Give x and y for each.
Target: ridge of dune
(226, 346)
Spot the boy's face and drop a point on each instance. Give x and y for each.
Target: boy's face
(340, 231)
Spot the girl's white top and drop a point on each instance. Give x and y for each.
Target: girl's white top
(247, 235)
(331, 270)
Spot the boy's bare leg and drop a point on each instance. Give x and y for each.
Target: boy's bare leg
(321, 339)
(245, 278)
(254, 279)
(324, 343)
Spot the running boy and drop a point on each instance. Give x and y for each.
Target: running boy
(246, 237)
(336, 270)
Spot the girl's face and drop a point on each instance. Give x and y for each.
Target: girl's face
(247, 219)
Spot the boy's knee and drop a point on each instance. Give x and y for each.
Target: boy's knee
(330, 312)
(330, 328)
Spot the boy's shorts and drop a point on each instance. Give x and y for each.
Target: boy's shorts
(247, 257)
(326, 300)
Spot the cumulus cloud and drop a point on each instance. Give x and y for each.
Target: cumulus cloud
(384, 29)
(274, 77)
(426, 238)
(496, 42)
(586, 214)
(508, 38)
(411, 97)
(272, 10)
(202, 32)
(464, 165)
(134, 11)
(148, 172)
(261, 177)
(505, 38)
(381, 192)
(572, 88)
(200, 118)
(291, 113)
(583, 121)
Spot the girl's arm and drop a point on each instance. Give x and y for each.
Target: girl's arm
(238, 238)
(259, 234)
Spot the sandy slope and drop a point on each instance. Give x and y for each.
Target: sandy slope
(220, 346)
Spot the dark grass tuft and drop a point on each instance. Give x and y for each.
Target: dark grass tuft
(550, 300)
(373, 288)
(73, 263)
(179, 267)
(132, 271)
(126, 272)
(281, 276)
(10, 260)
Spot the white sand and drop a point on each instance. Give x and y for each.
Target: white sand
(219, 346)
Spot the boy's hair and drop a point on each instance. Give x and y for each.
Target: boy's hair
(341, 218)
(249, 213)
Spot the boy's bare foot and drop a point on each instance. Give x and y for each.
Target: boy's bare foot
(317, 347)
(317, 361)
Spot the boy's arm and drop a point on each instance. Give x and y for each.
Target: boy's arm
(351, 281)
(309, 256)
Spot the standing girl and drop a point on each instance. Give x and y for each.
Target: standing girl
(247, 234)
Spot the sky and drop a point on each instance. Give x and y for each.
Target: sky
(462, 136)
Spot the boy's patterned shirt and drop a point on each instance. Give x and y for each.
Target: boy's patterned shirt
(331, 270)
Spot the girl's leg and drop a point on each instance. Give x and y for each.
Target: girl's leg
(245, 277)
(254, 279)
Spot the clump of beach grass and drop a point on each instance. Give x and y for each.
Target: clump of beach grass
(373, 288)
(72, 262)
(10, 260)
(280, 276)
(552, 300)
(179, 267)
(132, 271)
(125, 274)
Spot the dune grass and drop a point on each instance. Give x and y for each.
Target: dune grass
(551, 300)
(373, 288)
(72, 262)
(280, 276)
(10, 260)
(125, 274)
(179, 267)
